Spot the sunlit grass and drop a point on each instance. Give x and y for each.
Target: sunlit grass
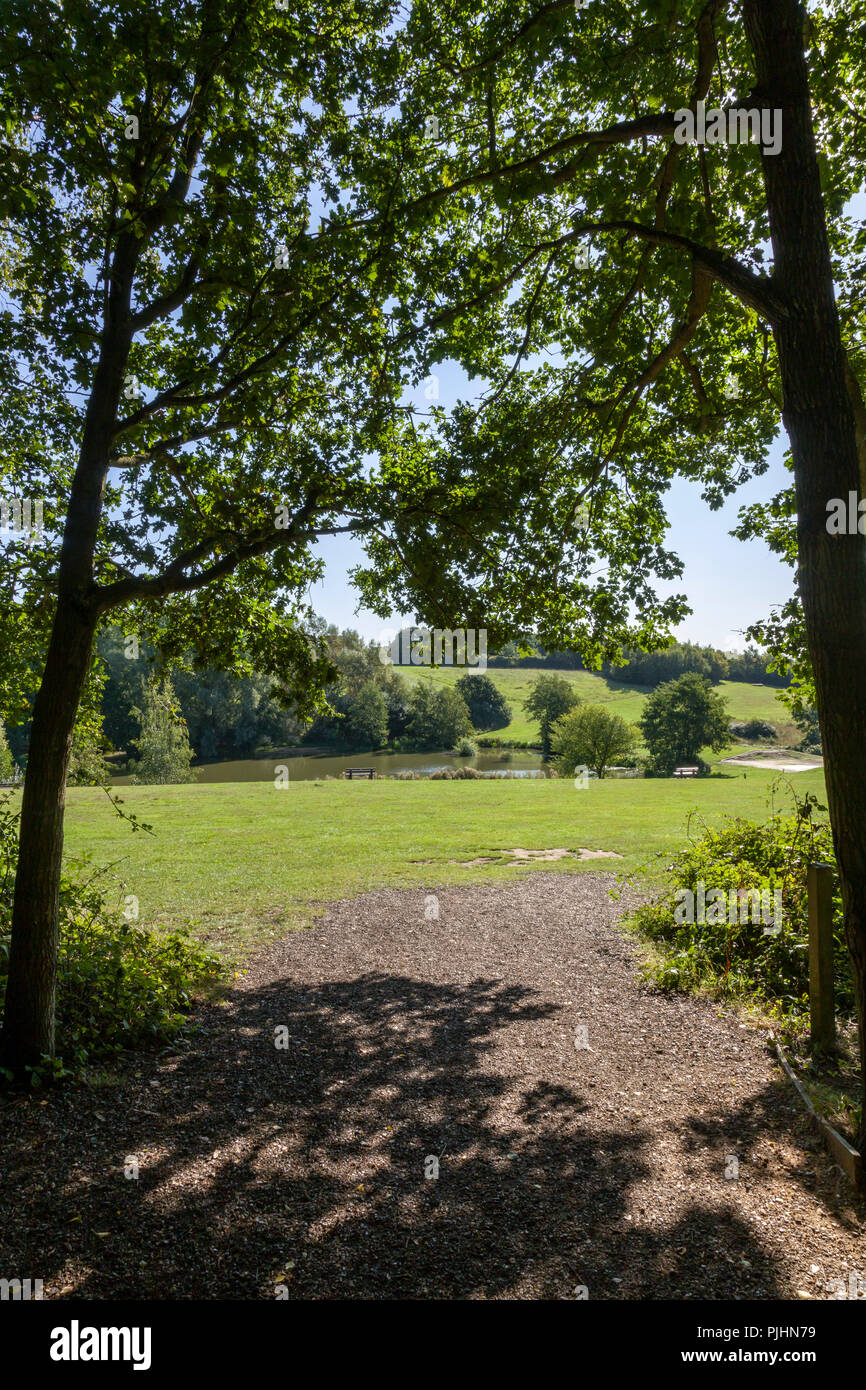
(242, 861)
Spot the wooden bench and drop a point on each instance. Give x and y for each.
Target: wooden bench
(369, 772)
(686, 771)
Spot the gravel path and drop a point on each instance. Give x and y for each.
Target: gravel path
(300, 1172)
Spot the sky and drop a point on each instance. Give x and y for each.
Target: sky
(729, 583)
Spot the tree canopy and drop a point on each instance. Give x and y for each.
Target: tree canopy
(549, 699)
(682, 717)
(235, 236)
(591, 737)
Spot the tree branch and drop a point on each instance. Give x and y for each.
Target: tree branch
(174, 581)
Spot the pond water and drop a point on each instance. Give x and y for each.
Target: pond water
(306, 767)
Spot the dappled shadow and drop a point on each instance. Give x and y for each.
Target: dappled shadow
(748, 1129)
(305, 1168)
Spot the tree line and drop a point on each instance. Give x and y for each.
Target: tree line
(652, 668)
(369, 704)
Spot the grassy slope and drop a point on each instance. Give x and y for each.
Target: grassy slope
(744, 701)
(242, 860)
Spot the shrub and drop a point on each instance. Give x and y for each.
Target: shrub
(465, 748)
(807, 720)
(7, 764)
(752, 728)
(119, 985)
(739, 958)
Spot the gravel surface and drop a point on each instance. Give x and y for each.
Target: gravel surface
(299, 1172)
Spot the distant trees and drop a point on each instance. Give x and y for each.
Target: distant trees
(438, 716)
(651, 668)
(7, 763)
(680, 718)
(232, 716)
(399, 709)
(227, 715)
(549, 699)
(367, 717)
(751, 665)
(488, 707)
(590, 736)
(164, 754)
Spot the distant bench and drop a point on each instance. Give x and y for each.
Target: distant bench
(369, 772)
(686, 771)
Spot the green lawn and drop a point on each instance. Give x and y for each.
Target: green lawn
(744, 701)
(241, 861)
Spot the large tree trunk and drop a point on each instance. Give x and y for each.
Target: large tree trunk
(28, 1024)
(819, 420)
(28, 1033)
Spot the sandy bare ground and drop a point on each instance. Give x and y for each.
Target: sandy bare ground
(263, 1170)
(777, 764)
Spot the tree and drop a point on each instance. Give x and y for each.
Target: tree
(204, 334)
(7, 763)
(439, 717)
(682, 717)
(488, 707)
(549, 699)
(399, 709)
(590, 737)
(367, 717)
(164, 754)
(212, 282)
(677, 350)
(718, 298)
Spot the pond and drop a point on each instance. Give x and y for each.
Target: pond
(306, 767)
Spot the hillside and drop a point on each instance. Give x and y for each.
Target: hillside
(745, 701)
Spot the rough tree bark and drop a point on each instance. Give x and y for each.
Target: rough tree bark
(820, 423)
(29, 1018)
(28, 1025)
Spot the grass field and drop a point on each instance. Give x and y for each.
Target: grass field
(744, 701)
(242, 861)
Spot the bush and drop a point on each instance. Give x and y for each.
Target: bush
(7, 764)
(752, 728)
(738, 958)
(119, 986)
(465, 748)
(807, 720)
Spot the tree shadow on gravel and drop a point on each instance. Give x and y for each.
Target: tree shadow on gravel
(301, 1172)
(776, 1114)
